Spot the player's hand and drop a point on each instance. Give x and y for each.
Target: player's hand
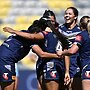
(67, 79)
(59, 52)
(8, 29)
(48, 29)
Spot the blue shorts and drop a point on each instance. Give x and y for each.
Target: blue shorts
(74, 66)
(86, 72)
(51, 70)
(7, 72)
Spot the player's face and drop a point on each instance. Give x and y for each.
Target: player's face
(69, 16)
(52, 19)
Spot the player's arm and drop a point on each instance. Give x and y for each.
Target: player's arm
(67, 63)
(67, 75)
(43, 54)
(24, 34)
(70, 51)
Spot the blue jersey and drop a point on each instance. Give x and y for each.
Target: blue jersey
(52, 67)
(71, 34)
(83, 40)
(14, 49)
(11, 51)
(50, 42)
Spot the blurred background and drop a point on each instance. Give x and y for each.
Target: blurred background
(19, 14)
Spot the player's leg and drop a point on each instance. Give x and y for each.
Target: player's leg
(0, 87)
(86, 84)
(39, 86)
(7, 85)
(40, 83)
(16, 83)
(52, 85)
(53, 75)
(17, 77)
(7, 76)
(75, 74)
(86, 77)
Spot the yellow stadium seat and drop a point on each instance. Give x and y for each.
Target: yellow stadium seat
(4, 11)
(4, 25)
(5, 6)
(30, 62)
(21, 19)
(32, 18)
(23, 22)
(21, 26)
(58, 5)
(1, 41)
(5, 3)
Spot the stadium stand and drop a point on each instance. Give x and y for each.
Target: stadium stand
(83, 7)
(58, 5)
(19, 14)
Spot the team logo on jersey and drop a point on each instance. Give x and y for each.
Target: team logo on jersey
(5, 76)
(50, 64)
(45, 32)
(78, 38)
(59, 46)
(53, 74)
(87, 74)
(8, 67)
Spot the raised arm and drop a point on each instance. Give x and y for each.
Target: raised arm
(24, 34)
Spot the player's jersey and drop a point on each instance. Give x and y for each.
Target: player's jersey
(83, 41)
(14, 49)
(50, 65)
(71, 34)
(50, 42)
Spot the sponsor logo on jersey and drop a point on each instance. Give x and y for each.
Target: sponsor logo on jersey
(78, 38)
(87, 74)
(45, 32)
(5, 76)
(53, 74)
(50, 64)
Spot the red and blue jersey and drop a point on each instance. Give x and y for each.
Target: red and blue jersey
(53, 67)
(83, 41)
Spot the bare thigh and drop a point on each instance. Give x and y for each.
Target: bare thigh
(86, 84)
(8, 86)
(47, 84)
(52, 85)
(16, 83)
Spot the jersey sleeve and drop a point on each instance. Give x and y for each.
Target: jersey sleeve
(79, 40)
